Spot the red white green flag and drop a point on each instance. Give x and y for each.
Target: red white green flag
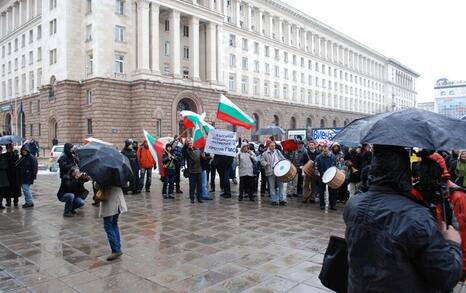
(156, 150)
(229, 112)
(207, 127)
(190, 119)
(198, 137)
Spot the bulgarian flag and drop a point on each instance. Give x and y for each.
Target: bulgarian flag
(156, 150)
(229, 112)
(198, 137)
(190, 119)
(207, 127)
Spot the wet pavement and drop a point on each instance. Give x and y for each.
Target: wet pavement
(169, 245)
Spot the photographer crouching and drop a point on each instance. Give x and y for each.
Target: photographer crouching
(72, 191)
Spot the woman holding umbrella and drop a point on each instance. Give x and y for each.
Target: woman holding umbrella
(13, 191)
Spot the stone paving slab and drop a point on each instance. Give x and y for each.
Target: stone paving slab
(169, 245)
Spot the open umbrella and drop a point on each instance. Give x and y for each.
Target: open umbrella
(96, 140)
(105, 164)
(409, 127)
(10, 139)
(270, 130)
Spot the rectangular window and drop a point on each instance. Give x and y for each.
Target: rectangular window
(267, 68)
(31, 128)
(89, 127)
(285, 57)
(294, 76)
(53, 27)
(232, 40)
(89, 97)
(167, 48)
(267, 53)
(255, 87)
(266, 88)
(39, 54)
(302, 62)
(88, 6)
(23, 43)
(309, 64)
(294, 60)
(53, 4)
(23, 61)
(256, 66)
(277, 71)
(9, 48)
(256, 47)
(186, 53)
(186, 31)
(90, 63)
(30, 107)
(232, 82)
(52, 56)
(31, 57)
(232, 60)
(245, 44)
(277, 54)
(16, 45)
(244, 85)
(245, 63)
(285, 73)
(16, 64)
(88, 32)
(167, 25)
(31, 80)
(119, 33)
(23, 83)
(276, 91)
(120, 7)
(16, 86)
(119, 63)
(39, 32)
(158, 127)
(39, 77)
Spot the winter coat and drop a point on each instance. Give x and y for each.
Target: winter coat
(193, 157)
(168, 163)
(324, 162)
(245, 164)
(146, 161)
(26, 167)
(131, 155)
(394, 245)
(13, 188)
(67, 160)
(4, 182)
(268, 162)
(114, 203)
(460, 172)
(72, 185)
(222, 161)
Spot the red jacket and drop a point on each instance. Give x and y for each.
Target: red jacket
(146, 161)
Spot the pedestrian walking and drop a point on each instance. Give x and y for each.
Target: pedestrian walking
(245, 160)
(169, 164)
(269, 159)
(146, 162)
(26, 168)
(72, 191)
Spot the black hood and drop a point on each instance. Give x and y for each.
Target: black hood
(391, 168)
(26, 148)
(67, 149)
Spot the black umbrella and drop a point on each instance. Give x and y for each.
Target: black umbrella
(10, 139)
(270, 130)
(409, 127)
(105, 164)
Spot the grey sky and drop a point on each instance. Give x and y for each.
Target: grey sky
(427, 36)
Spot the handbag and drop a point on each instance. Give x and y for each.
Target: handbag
(186, 173)
(101, 195)
(334, 273)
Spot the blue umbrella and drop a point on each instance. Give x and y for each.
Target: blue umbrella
(10, 139)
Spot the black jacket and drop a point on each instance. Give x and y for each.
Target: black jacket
(26, 167)
(394, 245)
(67, 160)
(72, 185)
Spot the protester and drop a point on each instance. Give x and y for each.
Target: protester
(255, 169)
(134, 183)
(324, 161)
(72, 191)
(193, 158)
(394, 243)
(34, 147)
(4, 183)
(169, 164)
(460, 170)
(14, 191)
(110, 209)
(205, 167)
(310, 187)
(146, 162)
(245, 160)
(67, 160)
(26, 169)
(224, 168)
(292, 186)
(180, 162)
(301, 159)
(354, 167)
(211, 173)
(342, 192)
(269, 159)
(263, 177)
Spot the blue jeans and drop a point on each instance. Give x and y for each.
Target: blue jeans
(72, 202)
(204, 192)
(273, 184)
(113, 232)
(169, 182)
(145, 172)
(27, 193)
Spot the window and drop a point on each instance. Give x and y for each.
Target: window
(89, 127)
(39, 54)
(16, 86)
(31, 128)
(309, 64)
(31, 57)
(277, 71)
(16, 64)
(285, 73)
(9, 66)
(245, 63)
(295, 78)
(119, 33)
(255, 86)
(167, 25)
(40, 131)
(90, 63)
(53, 4)
(158, 127)
(256, 47)
(256, 66)
(294, 60)
(186, 72)
(16, 45)
(53, 28)
(52, 56)
(285, 57)
(31, 80)
(23, 43)
(276, 91)
(302, 62)
(119, 62)
(23, 61)
(9, 48)
(23, 83)
(39, 32)
(3, 51)
(89, 32)
(303, 79)
(88, 6)
(186, 31)
(267, 53)
(266, 88)
(232, 60)
(120, 7)
(244, 85)
(232, 82)
(285, 92)
(186, 53)
(267, 68)
(277, 54)
(89, 97)
(232, 40)
(39, 78)
(245, 44)
(30, 107)
(167, 48)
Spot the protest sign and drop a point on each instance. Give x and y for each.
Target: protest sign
(221, 142)
(325, 134)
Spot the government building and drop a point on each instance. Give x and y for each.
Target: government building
(109, 68)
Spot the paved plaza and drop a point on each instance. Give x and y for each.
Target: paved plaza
(169, 245)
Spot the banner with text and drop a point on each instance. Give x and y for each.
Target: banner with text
(324, 134)
(221, 142)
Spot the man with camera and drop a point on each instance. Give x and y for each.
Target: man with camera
(72, 191)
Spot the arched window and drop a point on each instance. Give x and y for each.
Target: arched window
(184, 104)
(322, 123)
(276, 120)
(292, 122)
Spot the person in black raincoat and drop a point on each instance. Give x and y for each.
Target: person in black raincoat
(129, 152)
(3, 177)
(67, 160)
(26, 169)
(394, 242)
(14, 190)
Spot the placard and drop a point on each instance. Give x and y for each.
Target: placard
(221, 142)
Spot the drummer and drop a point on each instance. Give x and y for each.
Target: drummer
(324, 161)
(269, 159)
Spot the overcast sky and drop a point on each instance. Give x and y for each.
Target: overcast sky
(427, 36)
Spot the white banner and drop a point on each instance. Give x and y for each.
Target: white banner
(221, 142)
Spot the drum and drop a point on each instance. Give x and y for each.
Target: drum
(308, 168)
(333, 177)
(285, 171)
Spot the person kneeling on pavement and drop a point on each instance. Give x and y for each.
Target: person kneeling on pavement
(72, 191)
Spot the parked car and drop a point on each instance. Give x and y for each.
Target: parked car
(56, 152)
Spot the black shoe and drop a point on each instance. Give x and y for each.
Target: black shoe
(28, 205)
(95, 203)
(2, 207)
(333, 208)
(16, 204)
(74, 212)
(207, 198)
(274, 203)
(240, 198)
(223, 194)
(8, 204)
(171, 196)
(227, 196)
(68, 215)
(179, 191)
(200, 200)
(251, 198)
(147, 190)
(165, 196)
(192, 200)
(212, 190)
(283, 203)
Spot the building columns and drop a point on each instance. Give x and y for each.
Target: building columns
(305, 46)
(238, 13)
(261, 25)
(194, 47)
(288, 33)
(155, 40)
(297, 36)
(211, 66)
(220, 77)
(280, 30)
(143, 35)
(21, 13)
(175, 43)
(270, 25)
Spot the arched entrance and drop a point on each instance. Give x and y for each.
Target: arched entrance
(185, 104)
(7, 125)
(292, 122)
(53, 130)
(21, 124)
